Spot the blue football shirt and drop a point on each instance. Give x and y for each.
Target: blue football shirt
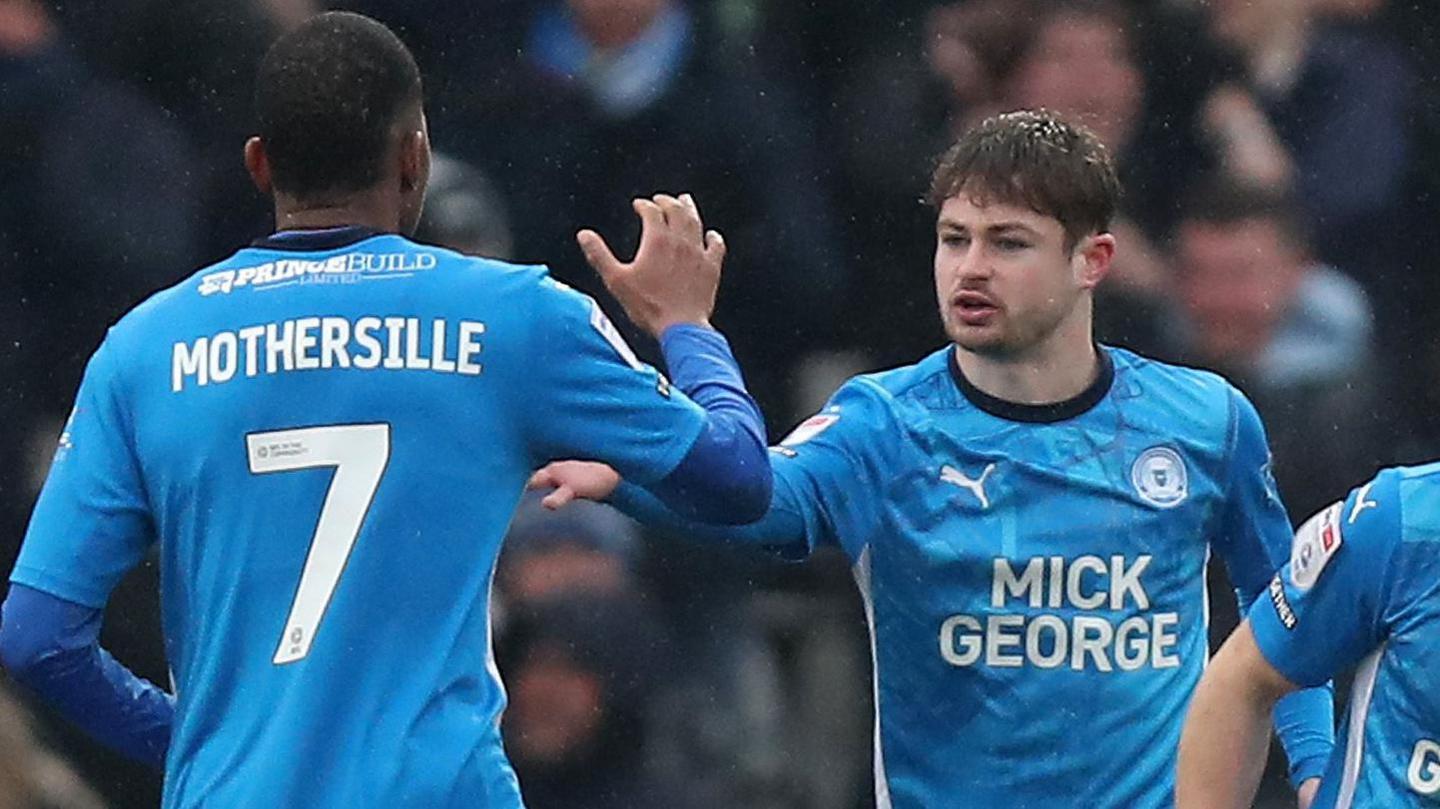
(1033, 576)
(1362, 591)
(326, 436)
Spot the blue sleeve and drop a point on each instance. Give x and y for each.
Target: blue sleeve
(589, 398)
(779, 530)
(92, 522)
(725, 477)
(829, 481)
(1324, 611)
(1253, 538)
(52, 646)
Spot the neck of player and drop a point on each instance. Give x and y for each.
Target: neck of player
(370, 209)
(1057, 369)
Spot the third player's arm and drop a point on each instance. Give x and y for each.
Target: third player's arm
(1227, 731)
(1254, 540)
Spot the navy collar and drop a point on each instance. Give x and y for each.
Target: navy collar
(1038, 413)
(312, 240)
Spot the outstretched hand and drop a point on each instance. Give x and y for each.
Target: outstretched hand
(586, 480)
(676, 271)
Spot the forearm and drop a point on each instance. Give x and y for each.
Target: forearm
(725, 478)
(1305, 723)
(52, 646)
(780, 530)
(1224, 745)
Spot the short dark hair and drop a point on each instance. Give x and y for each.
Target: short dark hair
(1035, 159)
(327, 96)
(1223, 201)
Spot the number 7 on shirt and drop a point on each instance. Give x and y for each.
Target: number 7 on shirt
(359, 453)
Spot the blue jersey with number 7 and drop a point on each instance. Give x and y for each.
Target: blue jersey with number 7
(324, 437)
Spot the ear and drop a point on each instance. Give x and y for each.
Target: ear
(1092, 258)
(414, 160)
(257, 162)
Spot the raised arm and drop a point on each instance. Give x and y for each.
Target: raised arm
(702, 434)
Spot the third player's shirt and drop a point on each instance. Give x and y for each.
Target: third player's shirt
(1363, 588)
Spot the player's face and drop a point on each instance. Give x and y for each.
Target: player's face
(1004, 278)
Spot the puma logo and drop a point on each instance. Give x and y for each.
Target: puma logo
(1362, 502)
(976, 486)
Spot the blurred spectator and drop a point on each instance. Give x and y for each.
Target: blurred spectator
(1332, 93)
(31, 777)
(583, 548)
(464, 211)
(616, 99)
(1295, 334)
(581, 672)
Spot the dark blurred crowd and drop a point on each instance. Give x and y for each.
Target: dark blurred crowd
(1279, 226)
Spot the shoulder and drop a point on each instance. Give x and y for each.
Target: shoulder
(865, 406)
(1417, 495)
(1188, 401)
(908, 385)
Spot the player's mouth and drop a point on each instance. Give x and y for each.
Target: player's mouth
(974, 308)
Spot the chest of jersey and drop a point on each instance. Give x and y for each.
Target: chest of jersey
(1068, 546)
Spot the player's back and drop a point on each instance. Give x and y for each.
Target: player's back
(333, 431)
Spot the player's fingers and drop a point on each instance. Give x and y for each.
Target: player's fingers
(597, 253)
(652, 218)
(714, 247)
(652, 226)
(559, 498)
(685, 216)
(670, 207)
(542, 479)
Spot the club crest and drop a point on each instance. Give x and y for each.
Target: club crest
(1160, 478)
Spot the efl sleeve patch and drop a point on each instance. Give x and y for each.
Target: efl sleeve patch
(1315, 542)
(809, 428)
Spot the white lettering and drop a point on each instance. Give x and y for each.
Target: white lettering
(1057, 582)
(334, 336)
(1424, 774)
(437, 348)
(305, 340)
(395, 327)
(1126, 579)
(279, 346)
(223, 356)
(999, 636)
(188, 360)
(413, 359)
(251, 335)
(331, 342)
(968, 650)
(1073, 579)
(470, 347)
(1132, 652)
(1092, 635)
(1162, 639)
(363, 328)
(1059, 644)
(1027, 584)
